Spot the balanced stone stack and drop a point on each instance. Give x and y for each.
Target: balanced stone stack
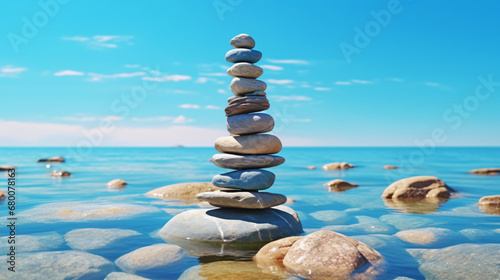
(246, 218)
(248, 149)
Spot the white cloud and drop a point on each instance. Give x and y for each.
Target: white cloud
(431, 84)
(189, 106)
(361, 81)
(288, 61)
(98, 77)
(343, 83)
(11, 71)
(322, 88)
(201, 80)
(220, 74)
(76, 38)
(299, 120)
(181, 120)
(69, 73)
(132, 66)
(221, 91)
(395, 79)
(280, 98)
(212, 107)
(102, 41)
(271, 67)
(177, 120)
(89, 119)
(279, 82)
(166, 78)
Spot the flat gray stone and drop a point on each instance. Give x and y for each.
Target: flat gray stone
(248, 200)
(249, 123)
(230, 231)
(243, 41)
(331, 216)
(250, 179)
(240, 162)
(241, 86)
(85, 239)
(243, 55)
(245, 70)
(155, 258)
(246, 104)
(28, 243)
(254, 144)
(57, 265)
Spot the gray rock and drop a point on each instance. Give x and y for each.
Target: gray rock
(250, 179)
(95, 238)
(479, 235)
(245, 70)
(243, 55)
(331, 216)
(248, 200)
(227, 230)
(57, 265)
(240, 162)
(156, 257)
(243, 41)
(249, 123)
(29, 243)
(123, 276)
(246, 104)
(464, 261)
(428, 236)
(255, 144)
(241, 86)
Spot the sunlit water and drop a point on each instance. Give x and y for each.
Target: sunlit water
(148, 168)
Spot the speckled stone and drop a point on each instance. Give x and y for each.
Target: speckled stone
(238, 199)
(245, 70)
(239, 162)
(249, 123)
(250, 179)
(243, 41)
(254, 144)
(241, 86)
(246, 104)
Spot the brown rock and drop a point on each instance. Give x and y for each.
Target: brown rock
(328, 255)
(270, 257)
(52, 159)
(6, 167)
(337, 166)
(490, 204)
(2, 195)
(60, 173)
(418, 187)
(230, 270)
(390, 167)
(183, 191)
(311, 167)
(339, 185)
(246, 104)
(254, 144)
(116, 184)
(486, 171)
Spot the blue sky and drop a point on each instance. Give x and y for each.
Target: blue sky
(152, 73)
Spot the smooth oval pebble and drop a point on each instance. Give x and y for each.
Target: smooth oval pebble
(242, 86)
(251, 179)
(246, 104)
(239, 162)
(249, 123)
(243, 41)
(243, 55)
(245, 70)
(248, 200)
(254, 144)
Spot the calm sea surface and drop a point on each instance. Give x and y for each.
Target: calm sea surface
(148, 168)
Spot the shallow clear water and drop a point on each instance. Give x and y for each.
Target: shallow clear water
(145, 169)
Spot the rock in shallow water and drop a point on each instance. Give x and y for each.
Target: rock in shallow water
(418, 187)
(230, 231)
(490, 204)
(123, 276)
(60, 173)
(339, 185)
(182, 191)
(250, 179)
(243, 41)
(248, 200)
(156, 257)
(7, 167)
(29, 243)
(428, 236)
(57, 265)
(246, 104)
(464, 261)
(337, 166)
(245, 70)
(249, 123)
(270, 257)
(239, 162)
(116, 183)
(85, 239)
(255, 144)
(243, 55)
(241, 86)
(52, 159)
(486, 171)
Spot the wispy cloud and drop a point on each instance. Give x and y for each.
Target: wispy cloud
(280, 98)
(177, 120)
(181, 120)
(395, 79)
(299, 120)
(322, 88)
(212, 107)
(11, 71)
(432, 84)
(342, 83)
(272, 67)
(99, 77)
(361, 81)
(167, 78)
(218, 74)
(279, 82)
(202, 80)
(102, 41)
(69, 73)
(288, 61)
(88, 119)
(353, 81)
(221, 90)
(132, 65)
(189, 106)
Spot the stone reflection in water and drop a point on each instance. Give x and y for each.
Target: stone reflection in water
(415, 206)
(230, 270)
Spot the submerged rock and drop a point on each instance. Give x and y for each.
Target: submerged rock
(339, 185)
(337, 166)
(230, 270)
(390, 167)
(270, 257)
(331, 216)
(464, 261)
(52, 159)
(230, 231)
(486, 171)
(60, 173)
(428, 236)
(156, 257)
(329, 255)
(29, 243)
(182, 191)
(57, 265)
(123, 276)
(116, 183)
(95, 238)
(490, 204)
(405, 222)
(365, 225)
(479, 235)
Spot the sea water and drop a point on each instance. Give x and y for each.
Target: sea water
(145, 169)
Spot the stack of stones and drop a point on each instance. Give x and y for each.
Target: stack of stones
(248, 149)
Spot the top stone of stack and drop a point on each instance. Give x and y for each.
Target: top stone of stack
(243, 41)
